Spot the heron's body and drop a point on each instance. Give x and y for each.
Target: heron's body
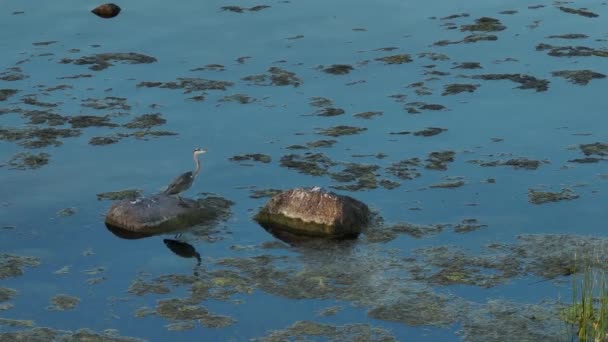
(185, 180)
(180, 184)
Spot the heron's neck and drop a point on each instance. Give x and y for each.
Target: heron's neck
(198, 165)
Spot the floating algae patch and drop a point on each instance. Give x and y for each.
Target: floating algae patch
(416, 107)
(571, 51)
(362, 174)
(485, 24)
(338, 69)
(416, 309)
(13, 74)
(12, 265)
(63, 302)
(276, 76)
(439, 160)
(103, 61)
(468, 65)
(238, 98)
(131, 194)
(516, 163)
(107, 140)
(84, 121)
(569, 36)
(107, 103)
(473, 38)
(33, 101)
(580, 77)
(448, 185)
(329, 111)
(396, 59)
(598, 148)
(185, 310)
(434, 56)
(261, 193)
(140, 287)
(238, 9)
(146, 121)
(180, 326)
(65, 212)
(315, 164)
(258, 157)
(497, 319)
(525, 81)
(189, 84)
(16, 323)
(321, 143)
(540, 197)
(341, 130)
(320, 102)
(457, 88)
(406, 169)
(28, 161)
(330, 311)
(468, 225)
(48, 334)
(368, 115)
(306, 330)
(7, 294)
(5, 94)
(39, 117)
(430, 131)
(580, 11)
(37, 137)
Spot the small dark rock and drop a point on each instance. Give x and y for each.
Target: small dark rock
(106, 10)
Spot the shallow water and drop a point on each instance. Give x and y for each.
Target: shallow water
(363, 278)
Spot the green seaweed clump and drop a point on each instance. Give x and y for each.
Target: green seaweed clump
(186, 310)
(12, 265)
(337, 131)
(363, 175)
(37, 137)
(146, 121)
(580, 12)
(405, 169)
(102, 61)
(276, 77)
(598, 148)
(130, 194)
(84, 121)
(260, 193)
(28, 161)
(339, 69)
(525, 81)
(430, 131)
(580, 77)
(315, 164)
(457, 88)
(258, 157)
(540, 197)
(48, 334)
(239, 98)
(63, 302)
(329, 111)
(367, 115)
(6, 93)
(304, 330)
(439, 160)
(484, 24)
(396, 59)
(7, 294)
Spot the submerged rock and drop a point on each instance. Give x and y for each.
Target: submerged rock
(160, 213)
(314, 212)
(106, 10)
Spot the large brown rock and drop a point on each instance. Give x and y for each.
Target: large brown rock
(314, 212)
(161, 213)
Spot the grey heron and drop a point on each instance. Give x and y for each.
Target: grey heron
(185, 180)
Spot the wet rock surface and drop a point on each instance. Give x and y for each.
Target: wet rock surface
(161, 213)
(314, 212)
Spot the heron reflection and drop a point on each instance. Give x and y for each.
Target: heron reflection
(183, 249)
(185, 180)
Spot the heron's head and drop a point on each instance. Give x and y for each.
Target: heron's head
(198, 151)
